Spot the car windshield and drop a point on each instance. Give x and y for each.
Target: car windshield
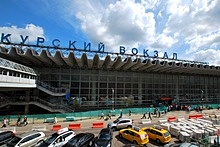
(115, 121)
(51, 138)
(104, 136)
(13, 142)
(166, 134)
(74, 140)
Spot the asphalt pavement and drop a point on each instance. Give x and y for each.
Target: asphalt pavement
(86, 124)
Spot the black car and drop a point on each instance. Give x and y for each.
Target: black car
(81, 140)
(6, 136)
(104, 138)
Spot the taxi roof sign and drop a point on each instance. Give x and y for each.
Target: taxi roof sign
(62, 130)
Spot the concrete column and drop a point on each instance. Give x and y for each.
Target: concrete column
(27, 99)
(93, 92)
(139, 91)
(176, 91)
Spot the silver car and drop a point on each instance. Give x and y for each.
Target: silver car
(58, 139)
(28, 139)
(120, 123)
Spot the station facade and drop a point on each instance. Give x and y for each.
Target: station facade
(81, 82)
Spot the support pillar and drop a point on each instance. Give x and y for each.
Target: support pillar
(27, 99)
(93, 98)
(139, 91)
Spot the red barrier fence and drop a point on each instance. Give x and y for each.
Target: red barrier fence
(195, 116)
(97, 125)
(172, 119)
(56, 127)
(74, 126)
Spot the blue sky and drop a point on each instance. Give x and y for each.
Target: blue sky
(189, 28)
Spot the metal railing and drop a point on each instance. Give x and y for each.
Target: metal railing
(58, 107)
(50, 89)
(15, 66)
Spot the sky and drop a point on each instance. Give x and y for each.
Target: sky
(189, 28)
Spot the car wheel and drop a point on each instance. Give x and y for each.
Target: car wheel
(158, 141)
(135, 142)
(120, 136)
(129, 126)
(39, 142)
(114, 129)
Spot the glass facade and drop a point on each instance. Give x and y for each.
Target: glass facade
(101, 88)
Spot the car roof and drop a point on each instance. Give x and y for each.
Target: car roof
(105, 130)
(124, 118)
(28, 133)
(162, 130)
(5, 132)
(135, 130)
(83, 134)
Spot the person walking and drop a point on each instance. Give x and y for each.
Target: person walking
(149, 116)
(144, 116)
(102, 116)
(4, 123)
(109, 115)
(129, 112)
(19, 120)
(25, 120)
(55, 119)
(120, 116)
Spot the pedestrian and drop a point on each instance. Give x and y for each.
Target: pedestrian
(144, 116)
(55, 119)
(102, 116)
(19, 120)
(25, 120)
(120, 116)
(129, 112)
(158, 113)
(4, 123)
(149, 116)
(109, 115)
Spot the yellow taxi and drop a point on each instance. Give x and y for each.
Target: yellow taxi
(134, 135)
(158, 134)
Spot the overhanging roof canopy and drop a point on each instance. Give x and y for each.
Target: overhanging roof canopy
(31, 58)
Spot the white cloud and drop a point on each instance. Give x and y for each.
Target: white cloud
(118, 23)
(209, 55)
(29, 30)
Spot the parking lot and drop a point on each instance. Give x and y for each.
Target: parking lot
(86, 126)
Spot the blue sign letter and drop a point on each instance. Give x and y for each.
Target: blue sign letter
(145, 53)
(134, 51)
(165, 56)
(155, 54)
(56, 44)
(87, 45)
(101, 46)
(122, 50)
(72, 44)
(40, 40)
(5, 38)
(23, 39)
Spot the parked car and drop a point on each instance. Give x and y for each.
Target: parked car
(27, 139)
(134, 135)
(185, 144)
(120, 123)
(6, 136)
(58, 139)
(158, 134)
(81, 140)
(104, 138)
